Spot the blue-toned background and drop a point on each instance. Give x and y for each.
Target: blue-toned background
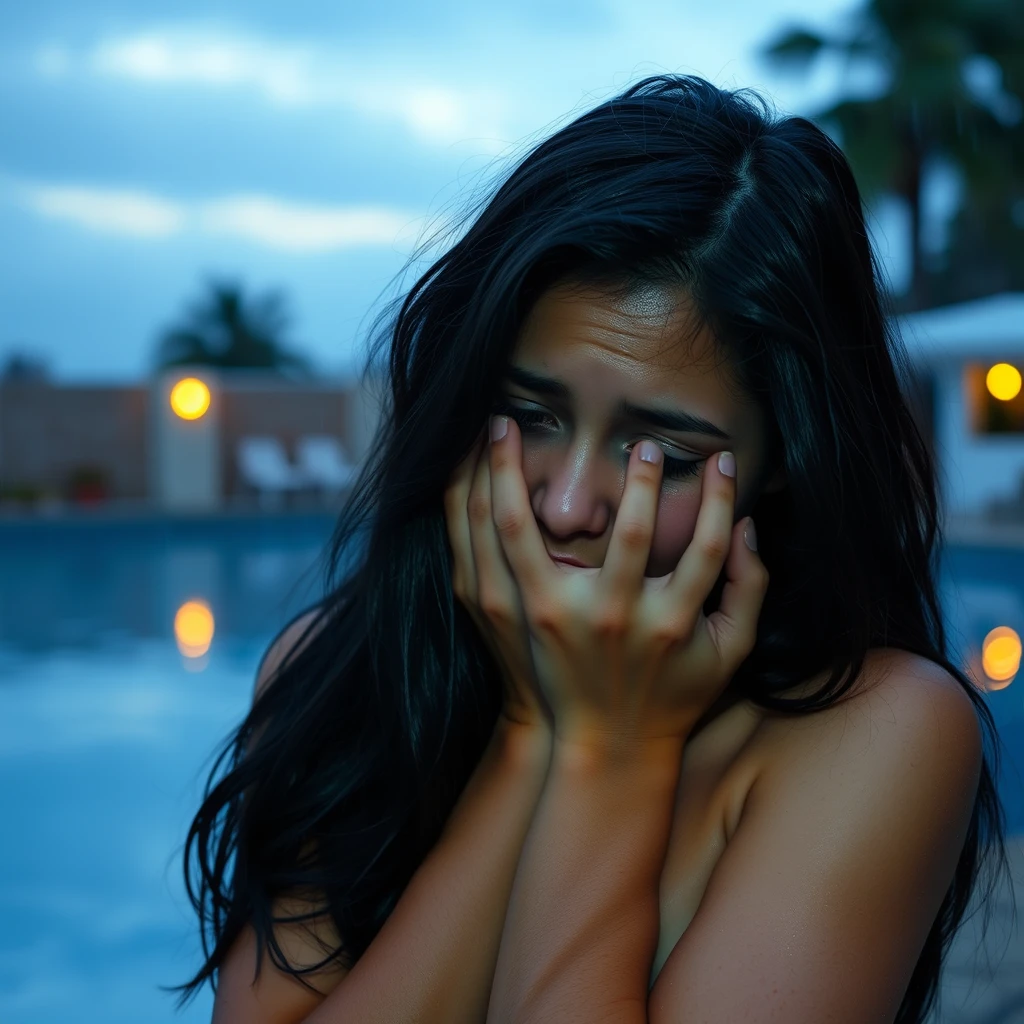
(301, 145)
(106, 731)
(148, 149)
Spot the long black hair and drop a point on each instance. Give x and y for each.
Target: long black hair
(340, 778)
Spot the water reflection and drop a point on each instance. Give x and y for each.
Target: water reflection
(127, 653)
(193, 629)
(94, 585)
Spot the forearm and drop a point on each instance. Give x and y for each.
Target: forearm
(433, 961)
(582, 923)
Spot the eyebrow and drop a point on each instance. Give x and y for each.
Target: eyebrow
(667, 419)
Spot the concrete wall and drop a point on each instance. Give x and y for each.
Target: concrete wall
(47, 431)
(284, 411)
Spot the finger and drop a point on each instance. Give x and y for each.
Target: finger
(630, 545)
(702, 561)
(456, 500)
(496, 589)
(733, 627)
(513, 516)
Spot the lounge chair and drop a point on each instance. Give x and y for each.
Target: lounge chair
(264, 467)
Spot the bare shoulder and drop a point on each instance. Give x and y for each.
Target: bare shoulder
(898, 698)
(845, 847)
(293, 636)
(929, 694)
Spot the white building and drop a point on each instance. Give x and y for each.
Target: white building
(978, 438)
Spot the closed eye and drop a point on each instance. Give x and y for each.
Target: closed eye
(534, 421)
(678, 469)
(529, 420)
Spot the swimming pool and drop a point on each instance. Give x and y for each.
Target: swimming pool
(106, 729)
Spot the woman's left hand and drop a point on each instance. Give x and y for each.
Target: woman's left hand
(621, 658)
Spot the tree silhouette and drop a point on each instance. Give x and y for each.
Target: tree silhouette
(226, 329)
(23, 367)
(953, 89)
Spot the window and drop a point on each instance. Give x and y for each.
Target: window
(995, 398)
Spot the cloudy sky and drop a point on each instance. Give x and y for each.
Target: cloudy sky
(147, 147)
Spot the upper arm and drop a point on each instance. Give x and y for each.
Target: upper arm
(276, 997)
(820, 904)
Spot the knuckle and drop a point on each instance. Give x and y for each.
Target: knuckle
(494, 605)
(715, 547)
(510, 523)
(635, 534)
(544, 617)
(463, 584)
(479, 508)
(762, 578)
(611, 621)
(673, 629)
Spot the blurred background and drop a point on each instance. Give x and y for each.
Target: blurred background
(204, 205)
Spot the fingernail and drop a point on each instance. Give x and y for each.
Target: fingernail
(727, 464)
(649, 452)
(499, 427)
(750, 535)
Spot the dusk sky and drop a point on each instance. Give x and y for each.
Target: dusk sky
(146, 147)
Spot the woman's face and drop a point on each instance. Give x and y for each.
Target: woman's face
(593, 374)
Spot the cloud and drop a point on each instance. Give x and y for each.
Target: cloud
(297, 76)
(281, 74)
(298, 228)
(110, 211)
(267, 221)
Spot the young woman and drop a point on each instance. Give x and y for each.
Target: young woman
(552, 747)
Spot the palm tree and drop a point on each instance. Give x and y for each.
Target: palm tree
(227, 329)
(953, 74)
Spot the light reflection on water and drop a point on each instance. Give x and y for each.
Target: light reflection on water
(106, 731)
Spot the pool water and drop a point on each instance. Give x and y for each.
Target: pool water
(106, 731)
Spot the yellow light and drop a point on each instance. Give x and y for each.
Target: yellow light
(1003, 381)
(193, 628)
(190, 398)
(1000, 656)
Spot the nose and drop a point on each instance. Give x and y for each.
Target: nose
(576, 491)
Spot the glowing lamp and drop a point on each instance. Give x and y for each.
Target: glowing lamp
(1003, 381)
(193, 628)
(190, 398)
(1000, 656)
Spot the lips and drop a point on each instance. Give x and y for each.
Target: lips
(568, 560)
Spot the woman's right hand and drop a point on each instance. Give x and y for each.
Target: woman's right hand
(483, 582)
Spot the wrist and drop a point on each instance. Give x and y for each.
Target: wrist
(595, 751)
(522, 744)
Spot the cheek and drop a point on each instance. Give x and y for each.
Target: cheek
(533, 457)
(673, 530)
